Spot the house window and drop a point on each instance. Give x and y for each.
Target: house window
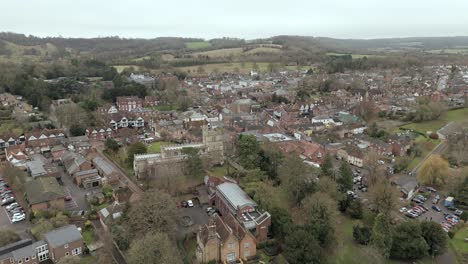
(231, 245)
(247, 245)
(76, 251)
(231, 257)
(66, 246)
(247, 254)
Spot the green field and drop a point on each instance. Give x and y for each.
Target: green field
(219, 53)
(449, 51)
(459, 245)
(197, 45)
(434, 125)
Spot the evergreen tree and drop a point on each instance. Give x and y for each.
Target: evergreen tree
(382, 235)
(345, 181)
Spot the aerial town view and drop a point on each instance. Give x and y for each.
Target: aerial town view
(250, 132)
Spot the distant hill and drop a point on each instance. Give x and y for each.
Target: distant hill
(191, 51)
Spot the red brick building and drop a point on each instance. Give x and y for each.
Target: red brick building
(128, 103)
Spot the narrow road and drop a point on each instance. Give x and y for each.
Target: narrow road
(439, 149)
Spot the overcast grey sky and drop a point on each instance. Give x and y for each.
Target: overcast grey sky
(235, 18)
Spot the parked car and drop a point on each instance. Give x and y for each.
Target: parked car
(12, 206)
(431, 189)
(183, 203)
(68, 198)
(189, 203)
(458, 212)
(8, 200)
(18, 219)
(436, 208)
(434, 201)
(403, 210)
(451, 208)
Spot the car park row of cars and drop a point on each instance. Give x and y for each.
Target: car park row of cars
(8, 200)
(415, 211)
(450, 221)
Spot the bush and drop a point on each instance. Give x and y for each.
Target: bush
(362, 234)
(451, 234)
(434, 136)
(464, 216)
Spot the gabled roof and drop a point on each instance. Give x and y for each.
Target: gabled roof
(43, 189)
(63, 235)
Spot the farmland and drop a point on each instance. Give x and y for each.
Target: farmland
(197, 45)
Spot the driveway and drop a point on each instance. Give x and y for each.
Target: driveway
(78, 201)
(198, 215)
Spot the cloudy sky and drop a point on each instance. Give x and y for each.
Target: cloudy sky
(235, 18)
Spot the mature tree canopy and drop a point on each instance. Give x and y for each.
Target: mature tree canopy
(8, 236)
(345, 180)
(383, 196)
(327, 166)
(112, 145)
(320, 212)
(155, 211)
(248, 150)
(153, 247)
(382, 235)
(296, 178)
(193, 163)
(433, 171)
(435, 237)
(297, 251)
(136, 148)
(408, 242)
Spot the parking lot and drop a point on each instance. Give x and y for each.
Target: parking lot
(19, 227)
(197, 214)
(431, 214)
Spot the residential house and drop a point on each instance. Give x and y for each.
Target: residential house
(64, 241)
(352, 155)
(45, 193)
(128, 103)
(100, 134)
(217, 241)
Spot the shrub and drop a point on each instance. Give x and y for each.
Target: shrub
(434, 136)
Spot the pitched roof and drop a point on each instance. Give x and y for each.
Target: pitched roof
(63, 235)
(43, 189)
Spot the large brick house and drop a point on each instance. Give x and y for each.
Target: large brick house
(128, 103)
(235, 233)
(230, 199)
(58, 243)
(218, 241)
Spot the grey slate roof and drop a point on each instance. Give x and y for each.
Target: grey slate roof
(103, 165)
(235, 195)
(63, 235)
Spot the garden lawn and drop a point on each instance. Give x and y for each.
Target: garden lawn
(156, 146)
(88, 237)
(459, 245)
